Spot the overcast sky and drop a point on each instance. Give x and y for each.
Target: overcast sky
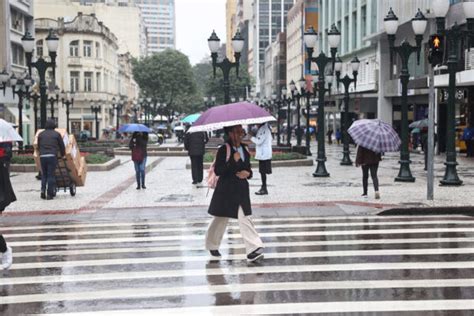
(195, 20)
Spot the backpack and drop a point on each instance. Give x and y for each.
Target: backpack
(212, 178)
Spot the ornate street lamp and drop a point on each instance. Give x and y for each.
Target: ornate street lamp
(135, 110)
(346, 81)
(4, 79)
(28, 43)
(68, 101)
(209, 101)
(310, 39)
(307, 93)
(96, 108)
(280, 104)
(453, 36)
(54, 99)
(296, 96)
(226, 65)
(21, 88)
(404, 51)
(118, 108)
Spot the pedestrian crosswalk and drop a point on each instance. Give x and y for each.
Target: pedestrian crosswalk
(379, 265)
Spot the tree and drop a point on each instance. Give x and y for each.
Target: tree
(208, 86)
(167, 77)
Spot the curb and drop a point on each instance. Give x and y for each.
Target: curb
(275, 164)
(109, 165)
(429, 211)
(155, 153)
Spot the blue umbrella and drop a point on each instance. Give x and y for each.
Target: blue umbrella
(191, 118)
(132, 128)
(122, 128)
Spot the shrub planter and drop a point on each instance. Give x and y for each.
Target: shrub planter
(109, 165)
(155, 153)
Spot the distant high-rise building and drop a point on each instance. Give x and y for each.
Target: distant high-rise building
(160, 21)
(268, 19)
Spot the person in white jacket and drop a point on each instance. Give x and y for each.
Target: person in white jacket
(263, 142)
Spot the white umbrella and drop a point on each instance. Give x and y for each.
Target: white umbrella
(8, 133)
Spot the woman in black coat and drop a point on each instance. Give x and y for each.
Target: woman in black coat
(231, 198)
(369, 161)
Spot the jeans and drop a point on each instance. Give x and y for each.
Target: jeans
(365, 177)
(48, 166)
(140, 171)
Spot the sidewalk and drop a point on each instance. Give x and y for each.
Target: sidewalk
(169, 185)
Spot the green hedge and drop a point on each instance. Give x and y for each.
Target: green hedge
(97, 159)
(209, 157)
(99, 144)
(23, 160)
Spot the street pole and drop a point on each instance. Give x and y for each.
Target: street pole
(451, 175)
(288, 121)
(35, 98)
(278, 123)
(346, 81)
(430, 162)
(308, 135)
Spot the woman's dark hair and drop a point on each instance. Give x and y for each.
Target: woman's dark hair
(50, 124)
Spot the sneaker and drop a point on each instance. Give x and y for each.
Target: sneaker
(262, 191)
(377, 195)
(43, 195)
(364, 196)
(49, 197)
(138, 187)
(255, 255)
(194, 182)
(7, 258)
(215, 254)
(143, 187)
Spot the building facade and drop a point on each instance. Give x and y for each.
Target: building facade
(16, 17)
(268, 19)
(123, 18)
(90, 65)
(160, 22)
(231, 16)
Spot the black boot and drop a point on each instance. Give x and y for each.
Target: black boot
(262, 191)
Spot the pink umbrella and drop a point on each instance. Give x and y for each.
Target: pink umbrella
(240, 113)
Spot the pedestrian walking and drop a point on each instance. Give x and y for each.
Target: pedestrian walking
(263, 142)
(338, 136)
(231, 198)
(195, 144)
(50, 144)
(138, 145)
(468, 137)
(7, 196)
(369, 161)
(329, 135)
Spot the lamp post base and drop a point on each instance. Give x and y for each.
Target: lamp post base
(451, 175)
(404, 175)
(321, 171)
(346, 159)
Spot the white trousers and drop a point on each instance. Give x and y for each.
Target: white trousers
(217, 228)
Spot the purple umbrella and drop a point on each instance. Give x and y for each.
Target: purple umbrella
(375, 135)
(240, 113)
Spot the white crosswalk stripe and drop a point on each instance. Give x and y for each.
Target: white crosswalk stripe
(315, 265)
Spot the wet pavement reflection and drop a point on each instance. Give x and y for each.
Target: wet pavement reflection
(361, 265)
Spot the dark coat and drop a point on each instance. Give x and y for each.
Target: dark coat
(139, 143)
(367, 157)
(7, 195)
(50, 142)
(195, 143)
(231, 192)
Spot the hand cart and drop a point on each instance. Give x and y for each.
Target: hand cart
(63, 178)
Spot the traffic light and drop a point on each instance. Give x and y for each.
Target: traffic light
(436, 50)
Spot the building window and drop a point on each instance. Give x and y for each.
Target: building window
(17, 21)
(74, 49)
(18, 55)
(74, 81)
(39, 48)
(88, 81)
(87, 49)
(98, 85)
(97, 50)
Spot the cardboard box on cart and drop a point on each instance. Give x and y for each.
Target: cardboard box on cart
(74, 162)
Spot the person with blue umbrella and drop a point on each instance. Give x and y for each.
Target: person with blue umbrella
(138, 144)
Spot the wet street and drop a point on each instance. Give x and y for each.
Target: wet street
(356, 264)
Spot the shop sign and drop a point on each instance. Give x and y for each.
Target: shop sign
(460, 95)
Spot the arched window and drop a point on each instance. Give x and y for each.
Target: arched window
(74, 49)
(39, 48)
